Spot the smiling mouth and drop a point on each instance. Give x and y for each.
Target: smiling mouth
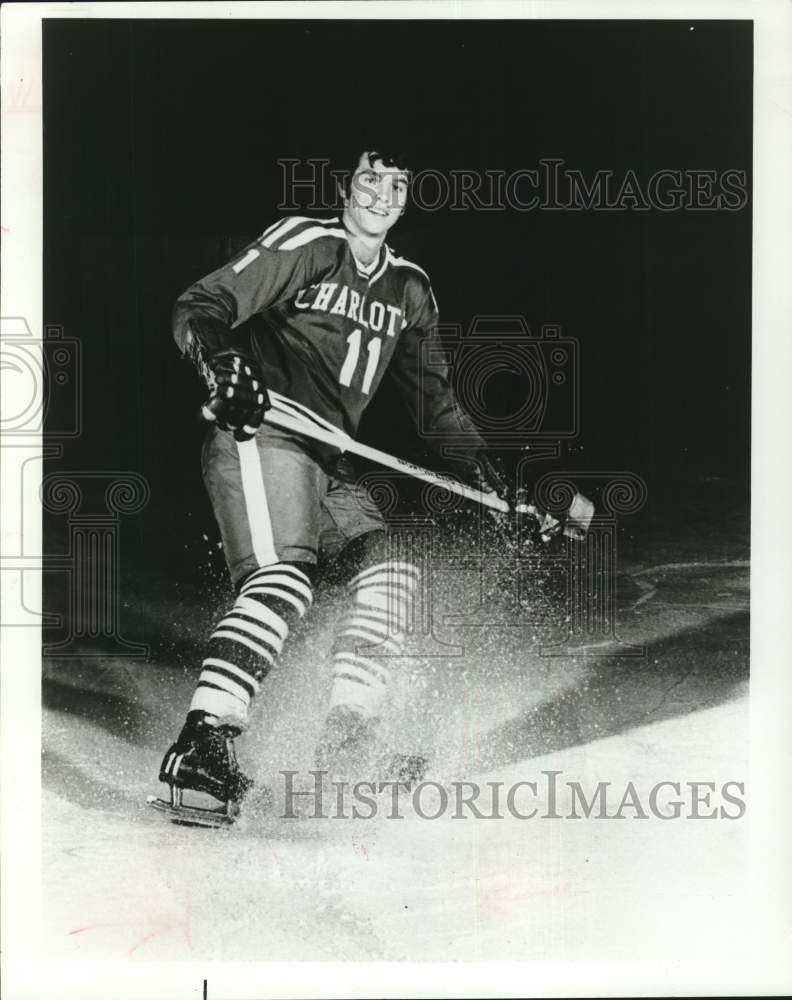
(378, 211)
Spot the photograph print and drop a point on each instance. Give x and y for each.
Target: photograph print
(396, 488)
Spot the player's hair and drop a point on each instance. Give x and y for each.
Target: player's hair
(389, 158)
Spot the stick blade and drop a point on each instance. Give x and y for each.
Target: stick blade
(578, 520)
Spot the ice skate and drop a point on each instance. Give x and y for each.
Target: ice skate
(350, 750)
(203, 761)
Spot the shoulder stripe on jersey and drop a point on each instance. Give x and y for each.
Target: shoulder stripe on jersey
(271, 228)
(308, 235)
(280, 229)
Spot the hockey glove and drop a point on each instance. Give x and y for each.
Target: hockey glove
(239, 397)
(481, 472)
(574, 523)
(491, 475)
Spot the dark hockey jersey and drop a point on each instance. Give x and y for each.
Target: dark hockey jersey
(325, 329)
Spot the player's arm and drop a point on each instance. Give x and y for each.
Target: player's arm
(256, 279)
(420, 370)
(205, 316)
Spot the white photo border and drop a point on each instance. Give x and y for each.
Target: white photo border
(765, 966)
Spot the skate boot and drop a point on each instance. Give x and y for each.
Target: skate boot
(349, 750)
(203, 760)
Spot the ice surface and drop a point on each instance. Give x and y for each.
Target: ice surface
(122, 882)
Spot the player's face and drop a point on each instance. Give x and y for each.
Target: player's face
(377, 197)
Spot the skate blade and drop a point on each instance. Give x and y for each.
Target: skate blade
(223, 816)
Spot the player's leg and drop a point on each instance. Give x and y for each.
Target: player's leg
(266, 503)
(265, 495)
(369, 639)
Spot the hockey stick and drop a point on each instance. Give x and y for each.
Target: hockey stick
(288, 414)
(294, 417)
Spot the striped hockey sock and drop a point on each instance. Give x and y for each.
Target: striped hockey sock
(246, 643)
(378, 616)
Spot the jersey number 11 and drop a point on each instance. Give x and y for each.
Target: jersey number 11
(374, 347)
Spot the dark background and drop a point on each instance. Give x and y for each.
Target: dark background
(161, 142)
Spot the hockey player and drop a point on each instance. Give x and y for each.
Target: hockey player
(316, 311)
